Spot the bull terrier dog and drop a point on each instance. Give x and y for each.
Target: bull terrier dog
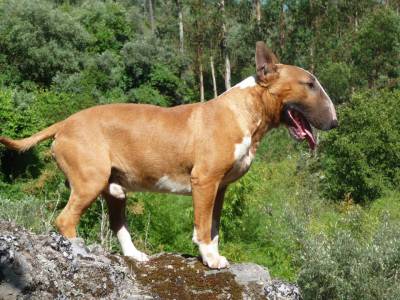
(194, 149)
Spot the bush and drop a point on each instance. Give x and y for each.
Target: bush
(108, 24)
(40, 39)
(342, 266)
(148, 95)
(101, 74)
(361, 157)
(372, 48)
(336, 78)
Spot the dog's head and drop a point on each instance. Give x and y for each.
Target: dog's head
(303, 100)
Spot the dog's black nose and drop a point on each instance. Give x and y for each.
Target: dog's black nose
(334, 124)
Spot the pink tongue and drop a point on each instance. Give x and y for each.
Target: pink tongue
(310, 139)
(303, 132)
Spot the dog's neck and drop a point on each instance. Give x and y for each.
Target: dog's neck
(254, 107)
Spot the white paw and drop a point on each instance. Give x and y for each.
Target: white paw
(216, 262)
(138, 255)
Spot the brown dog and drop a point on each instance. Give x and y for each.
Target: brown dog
(196, 149)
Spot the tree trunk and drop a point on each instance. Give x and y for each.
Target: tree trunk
(199, 60)
(257, 8)
(180, 15)
(151, 15)
(201, 81)
(213, 76)
(224, 48)
(227, 72)
(282, 27)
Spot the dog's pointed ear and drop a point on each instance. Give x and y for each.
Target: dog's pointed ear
(265, 60)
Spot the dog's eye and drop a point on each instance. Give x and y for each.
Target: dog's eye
(311, 85)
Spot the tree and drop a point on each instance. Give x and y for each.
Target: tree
(180, 17)
(376, 49)
(40, 39)
(224, 47)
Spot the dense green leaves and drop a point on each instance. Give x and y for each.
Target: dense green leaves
(376, 51)
(40, 40)
(362, 157)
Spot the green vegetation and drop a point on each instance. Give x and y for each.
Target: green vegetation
(328, 221)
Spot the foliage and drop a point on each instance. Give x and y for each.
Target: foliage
(361, 158)
(342, 266)
(336, 78)
(108, 24)
(39, 39)
(148, 95)
(372, 49)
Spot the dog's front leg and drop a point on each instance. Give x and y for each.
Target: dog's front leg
(204, 191)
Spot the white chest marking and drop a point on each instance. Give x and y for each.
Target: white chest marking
(165, 183)
(242, 149)
(243, 156)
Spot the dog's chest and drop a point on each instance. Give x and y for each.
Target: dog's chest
(243, 156)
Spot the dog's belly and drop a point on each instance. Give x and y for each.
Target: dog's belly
(165, 184)
(173, 183)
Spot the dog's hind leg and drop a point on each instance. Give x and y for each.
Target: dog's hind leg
(116, 202)
(88, 173)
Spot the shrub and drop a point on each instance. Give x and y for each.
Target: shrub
(372, 48)
(40, 39)
(148, 95)
(361, 157)
(108, 24)
(342, 266)
(335, 77)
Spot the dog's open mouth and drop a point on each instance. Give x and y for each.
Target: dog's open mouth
(299, 127)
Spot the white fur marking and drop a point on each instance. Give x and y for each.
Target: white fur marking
(248, 82)
(165, 183)
(210, 255)
(116, 190)
(248, 159)
(128, 249)
(194, 238)
(242, 149)
(330, 104)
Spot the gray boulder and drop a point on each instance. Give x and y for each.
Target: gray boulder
(52, 267)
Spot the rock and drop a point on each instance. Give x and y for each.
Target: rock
(277, 289)
(52, 267)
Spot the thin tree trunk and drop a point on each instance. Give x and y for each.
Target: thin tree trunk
(356, 21)
(199, 54)
(180, 15)
(227, 72)
(257, 6)
(225, 48)
(151, 14)
(213, 76)
(201, 81)
(282, 27)
(181, 40)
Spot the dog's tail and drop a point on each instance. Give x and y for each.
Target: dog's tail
(27, 143)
